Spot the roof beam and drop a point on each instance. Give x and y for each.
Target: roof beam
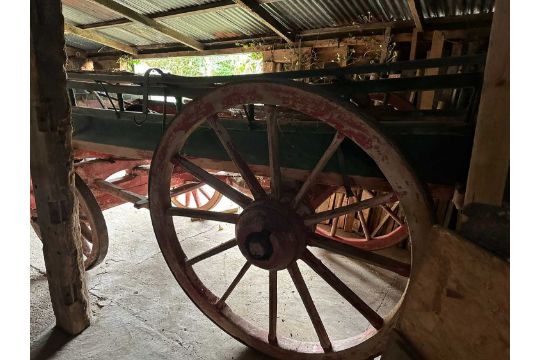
(416, 12)
(151, 23)
(96, 37)
(255, 9)
(184, 11)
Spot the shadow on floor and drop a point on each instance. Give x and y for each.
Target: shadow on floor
(49, 343)
(248, 354)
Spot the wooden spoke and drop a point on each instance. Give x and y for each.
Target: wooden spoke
(86, 247)
(213, 251)
(272, 279)
(302, 289)
(213, 181)
(196, 198)
(365, 204)
(389, 211)
(384, 220)
(336, 141)
(188, 198)
(231, 287)
(184, 188)
(331, 279)
(368, 257)
(205, 194)
(225, 139)
(86, 232)
(203, 214)
(365, 229)
(273, 151)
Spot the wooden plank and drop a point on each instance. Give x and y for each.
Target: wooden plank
(173, 13)
(416, 13)
(385, 44)
(255, 9)
(349, 218)
(151, 23)
(96, 37)
(460, 296)
(437, 45)
(51, 167)
(447, 95)
(490, 159)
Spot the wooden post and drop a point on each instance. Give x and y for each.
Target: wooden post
(490, 159)
(437, 45)
(51, 167)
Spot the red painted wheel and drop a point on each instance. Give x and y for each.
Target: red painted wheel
(371, 230)
(277, 230)
(202, 198)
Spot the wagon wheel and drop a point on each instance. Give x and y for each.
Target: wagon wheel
(202, 198)
(275, 231)
(95, 239)
(389, 230)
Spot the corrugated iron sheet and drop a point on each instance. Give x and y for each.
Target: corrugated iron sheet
(440, 8)
(81, 9)
(81, 43)
(136, 34)
(313, 14)
(296, 15)
(152, 6)
(220, 24)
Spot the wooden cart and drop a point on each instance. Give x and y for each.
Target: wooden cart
(285, 151)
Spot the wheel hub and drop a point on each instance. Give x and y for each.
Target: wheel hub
(270, 235)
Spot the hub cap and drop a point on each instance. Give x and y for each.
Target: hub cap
(270, 235)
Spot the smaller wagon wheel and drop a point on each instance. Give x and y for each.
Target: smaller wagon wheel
(95, 239)
(374, 233)
(203, 198)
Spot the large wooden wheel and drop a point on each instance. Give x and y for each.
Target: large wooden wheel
(276, 231)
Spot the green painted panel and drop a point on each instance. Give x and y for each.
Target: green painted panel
(439, 153)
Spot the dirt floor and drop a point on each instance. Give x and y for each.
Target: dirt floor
(140, 312)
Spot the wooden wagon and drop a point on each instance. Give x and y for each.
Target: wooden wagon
(298, 152)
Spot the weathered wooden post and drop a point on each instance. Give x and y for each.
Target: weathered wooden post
(51, 167)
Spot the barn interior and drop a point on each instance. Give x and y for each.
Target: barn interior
(260, 179)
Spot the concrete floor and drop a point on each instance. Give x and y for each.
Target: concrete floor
(140, 312)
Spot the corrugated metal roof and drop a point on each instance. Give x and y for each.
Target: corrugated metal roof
(81, 43)
(220, 24)
(231, 22)
(136, 34)
(88, 8)
(440, 8)
(149, 7)
(313, 14)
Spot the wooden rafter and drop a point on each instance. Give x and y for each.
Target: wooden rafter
(263, 16)
(96, 37)
(416, 12)
(174, 13)
(151, 23)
